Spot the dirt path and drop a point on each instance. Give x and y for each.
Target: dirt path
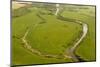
(71, 51)
(27, 45)
(85, 30)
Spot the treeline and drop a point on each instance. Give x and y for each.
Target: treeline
(20, 12)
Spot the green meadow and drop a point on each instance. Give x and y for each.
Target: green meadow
(49, 34)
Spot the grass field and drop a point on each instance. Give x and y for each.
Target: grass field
(51, 35)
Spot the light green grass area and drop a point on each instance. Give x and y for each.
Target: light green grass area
(51, 35)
